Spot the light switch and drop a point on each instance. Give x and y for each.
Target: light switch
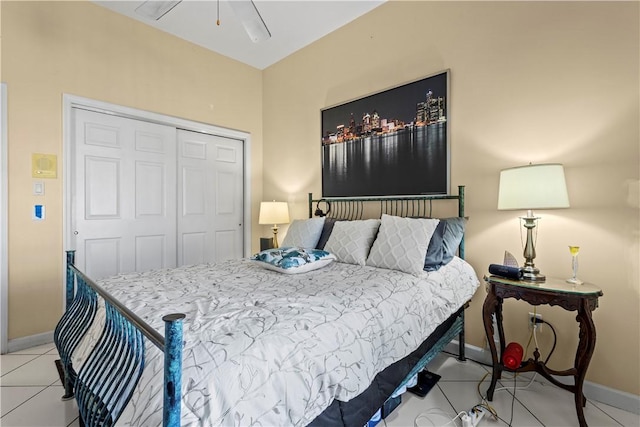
(38, 212)
(38, 188)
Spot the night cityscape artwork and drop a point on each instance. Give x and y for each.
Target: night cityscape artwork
(390, 143)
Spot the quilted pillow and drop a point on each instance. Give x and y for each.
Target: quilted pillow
(444, 243)
(350, 241)
(303, 233)
(292, 260)
(402, 243)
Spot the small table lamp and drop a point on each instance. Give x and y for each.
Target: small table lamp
(532, 187)
(274, 213)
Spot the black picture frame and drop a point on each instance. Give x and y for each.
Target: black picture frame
(393, 142)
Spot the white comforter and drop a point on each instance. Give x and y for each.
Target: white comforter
(268, 349)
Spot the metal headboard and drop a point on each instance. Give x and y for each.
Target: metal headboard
(354, 208)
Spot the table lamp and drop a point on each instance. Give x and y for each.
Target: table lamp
(532, 187)
(274, 213)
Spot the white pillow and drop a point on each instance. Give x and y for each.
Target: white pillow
(293, 260)
(303, 233)
(402, 243)
(350, 241)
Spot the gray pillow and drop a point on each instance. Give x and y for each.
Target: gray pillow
(453, 234)
(402, 243)
(327, 228)
(303, 233)
(435, 251)
(444, 242)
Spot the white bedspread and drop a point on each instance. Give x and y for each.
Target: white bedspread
(268, 349)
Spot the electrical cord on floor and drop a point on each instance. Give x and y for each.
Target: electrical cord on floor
(515, 375)
(436, 411)
(535, 338)
(489, 408)
(513, 400)
(484, 403)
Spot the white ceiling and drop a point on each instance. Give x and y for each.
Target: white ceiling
(293, 24)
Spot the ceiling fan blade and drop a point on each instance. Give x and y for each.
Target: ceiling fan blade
(156, 9)
(248, 14)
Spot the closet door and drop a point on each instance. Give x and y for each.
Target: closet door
(124, 194)
(210, 198)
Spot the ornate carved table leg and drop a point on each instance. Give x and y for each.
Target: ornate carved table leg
(586, 345)
(491, 305)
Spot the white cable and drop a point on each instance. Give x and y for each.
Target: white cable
(434, 411)
(524, 387)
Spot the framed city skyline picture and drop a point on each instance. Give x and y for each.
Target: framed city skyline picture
(394, 142)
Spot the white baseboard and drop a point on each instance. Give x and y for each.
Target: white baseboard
(600, 393)
(30, 341)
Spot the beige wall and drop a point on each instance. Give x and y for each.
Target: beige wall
(530, 82)
(55, 48)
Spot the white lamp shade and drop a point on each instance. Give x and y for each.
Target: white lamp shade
(273, 213)
(533, 187)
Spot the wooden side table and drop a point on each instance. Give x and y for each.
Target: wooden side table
(581, 298)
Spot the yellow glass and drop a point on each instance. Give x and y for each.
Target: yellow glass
(574, 250)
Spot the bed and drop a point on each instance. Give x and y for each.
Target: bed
(246, 345)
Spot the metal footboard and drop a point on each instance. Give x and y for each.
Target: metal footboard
(106, 380)
(79, 315)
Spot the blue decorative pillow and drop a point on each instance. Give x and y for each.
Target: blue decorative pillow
(444, 242)
(293, 260)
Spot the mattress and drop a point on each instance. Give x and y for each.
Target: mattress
(263, 348)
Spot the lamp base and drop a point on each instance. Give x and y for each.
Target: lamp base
(275, 236)
(532, 275)
(530, 272)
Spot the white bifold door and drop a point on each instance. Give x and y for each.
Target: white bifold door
(210, 198)
(148, 195)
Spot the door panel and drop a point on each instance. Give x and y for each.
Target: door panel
(229, 166)
(101, 188)
(226, 244)
(210, 224)
(193, 248)
(107, 250)
(194, 190)
(124, 194)
(150, 189)
(150, 252)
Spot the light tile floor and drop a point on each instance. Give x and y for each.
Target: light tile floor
(31, 392)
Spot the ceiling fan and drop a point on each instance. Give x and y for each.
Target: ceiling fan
(245, 10)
